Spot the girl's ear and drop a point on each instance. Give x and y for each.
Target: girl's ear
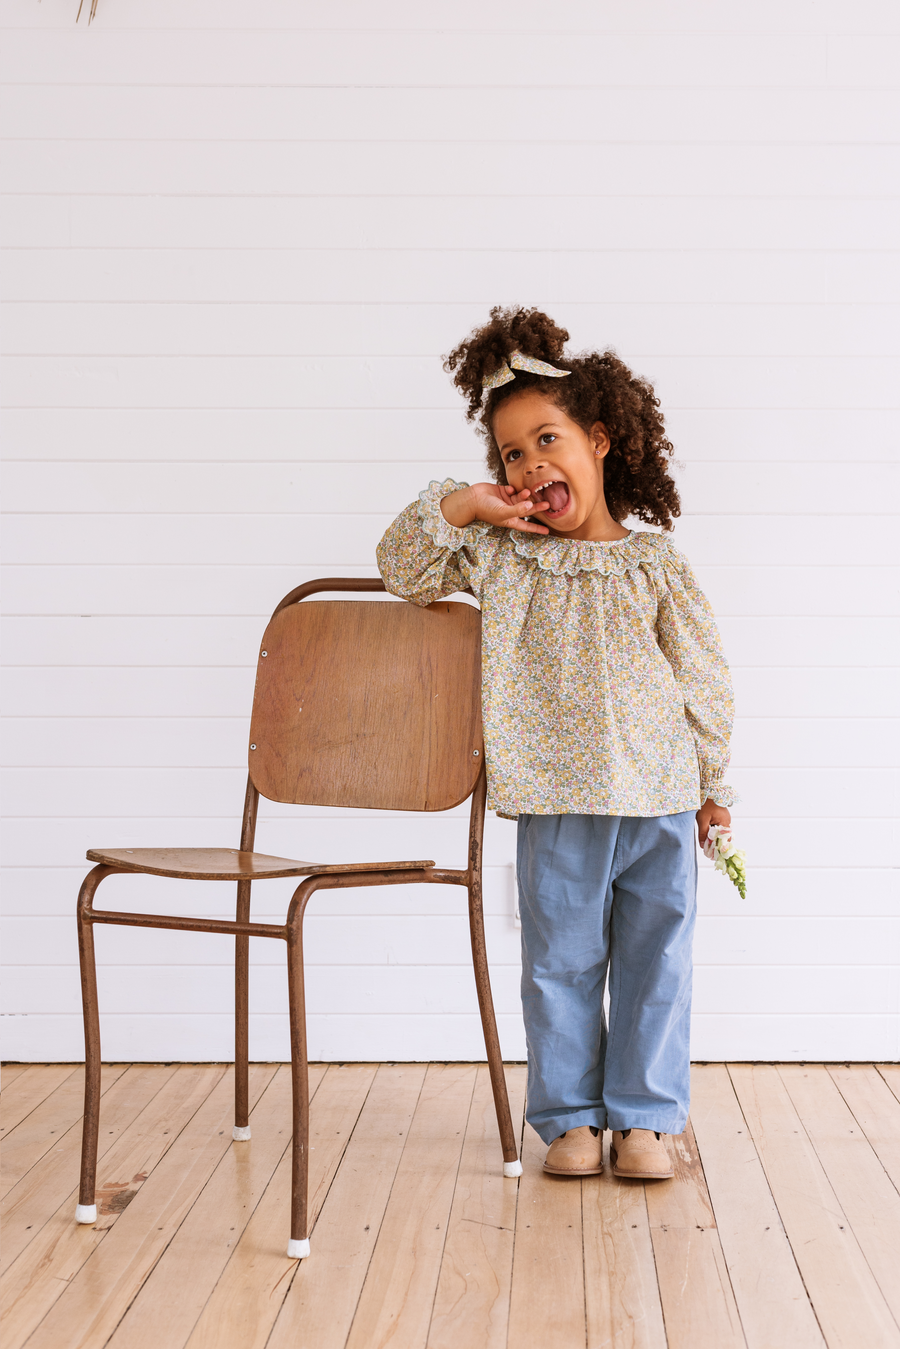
(600, 440)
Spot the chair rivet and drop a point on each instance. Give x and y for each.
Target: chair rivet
(264, 653)
(253, 747)
(474, 753)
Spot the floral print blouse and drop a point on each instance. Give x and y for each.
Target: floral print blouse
(605, 689)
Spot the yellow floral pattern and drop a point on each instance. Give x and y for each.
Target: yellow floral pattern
(605, 688)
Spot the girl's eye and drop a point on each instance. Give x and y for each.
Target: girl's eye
(513, 454)
(546, 439)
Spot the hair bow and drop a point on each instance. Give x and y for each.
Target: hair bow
(503, 374)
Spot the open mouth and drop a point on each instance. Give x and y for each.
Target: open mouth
(556, 494)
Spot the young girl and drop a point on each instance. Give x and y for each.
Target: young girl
(607, 714)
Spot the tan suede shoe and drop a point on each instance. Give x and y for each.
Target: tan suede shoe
(576, 1153)
(640, 1154)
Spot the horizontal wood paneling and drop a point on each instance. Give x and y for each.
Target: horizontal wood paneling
(766, 1037)
(377, 381)
(208, 1037)
(109, 793)
(383, 946)
(578, 16)
(259, 112)
(211, 742)
(409, 276)
(733, 591)
(500, 56)
(778, 840)
(340, 545)
(305, 486)
(803, 892)
(89, 640)
(324, 220)
(402, 434)
(238, 239)
(430, 990)
(189, 691)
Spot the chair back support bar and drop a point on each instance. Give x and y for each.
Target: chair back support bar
(368, 705)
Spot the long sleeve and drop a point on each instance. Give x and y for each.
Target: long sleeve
(423, 558)
(689, 639)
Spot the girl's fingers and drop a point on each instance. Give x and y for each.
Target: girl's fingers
(526, 527)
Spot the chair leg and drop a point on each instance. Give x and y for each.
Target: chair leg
(241, 1129)
(86, 1209)
(298, 1245)
(511, 1164)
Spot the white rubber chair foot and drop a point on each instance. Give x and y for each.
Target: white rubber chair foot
(298, 1250)
(240, 1133)
(512, 1168)
(86, 1213)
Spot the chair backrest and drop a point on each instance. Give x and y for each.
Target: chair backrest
(371, 704)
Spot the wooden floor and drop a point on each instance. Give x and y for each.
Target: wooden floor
(780, 1230)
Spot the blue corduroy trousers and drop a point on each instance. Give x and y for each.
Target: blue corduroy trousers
(616, 896)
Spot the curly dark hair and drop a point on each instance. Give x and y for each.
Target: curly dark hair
(601, 388)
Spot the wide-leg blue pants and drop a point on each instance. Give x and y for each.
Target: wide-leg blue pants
(609, 894)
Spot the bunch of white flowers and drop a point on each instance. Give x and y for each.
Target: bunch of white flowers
(731, 861)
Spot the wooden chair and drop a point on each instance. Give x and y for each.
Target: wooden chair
(357, 704)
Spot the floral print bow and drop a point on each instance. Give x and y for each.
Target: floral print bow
(503, 374)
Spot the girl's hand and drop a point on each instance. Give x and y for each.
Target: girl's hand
(708, 815)
(495, 505)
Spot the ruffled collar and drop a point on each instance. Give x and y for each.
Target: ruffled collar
(568, 557)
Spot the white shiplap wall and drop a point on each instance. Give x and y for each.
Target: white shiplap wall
(238, 239)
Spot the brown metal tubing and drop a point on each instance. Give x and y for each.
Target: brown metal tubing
(483, 975)
(91, 1011)
(297, 1004)
(224, 926)
(370, 584)
(242, 971)
(447, 876)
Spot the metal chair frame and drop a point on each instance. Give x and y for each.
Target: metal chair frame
(291, 932)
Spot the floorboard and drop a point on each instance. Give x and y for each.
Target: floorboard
(320, 1304)
(171, 1300)
(26, 1092)
(863, 1187)
(778, 1230)
(622, 1302)
(53, 1298)
(249, 1295)
(471, 1306)
(689, 1254)
(768, 1288)
(53, 1183)
(890, 1073)
(547, 1304)
(10, 1071)
(397, 1297)
(47, 1124)
(877, 1110)
(849, 1305)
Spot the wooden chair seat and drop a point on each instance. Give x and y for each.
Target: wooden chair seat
(229, 864)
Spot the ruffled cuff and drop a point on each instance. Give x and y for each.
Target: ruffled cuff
(719, 793)
(439, 530)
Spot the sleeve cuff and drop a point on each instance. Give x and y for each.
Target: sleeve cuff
(439, 530)
(720, 794)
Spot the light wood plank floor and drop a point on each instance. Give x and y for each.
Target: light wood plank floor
(779, 1231)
